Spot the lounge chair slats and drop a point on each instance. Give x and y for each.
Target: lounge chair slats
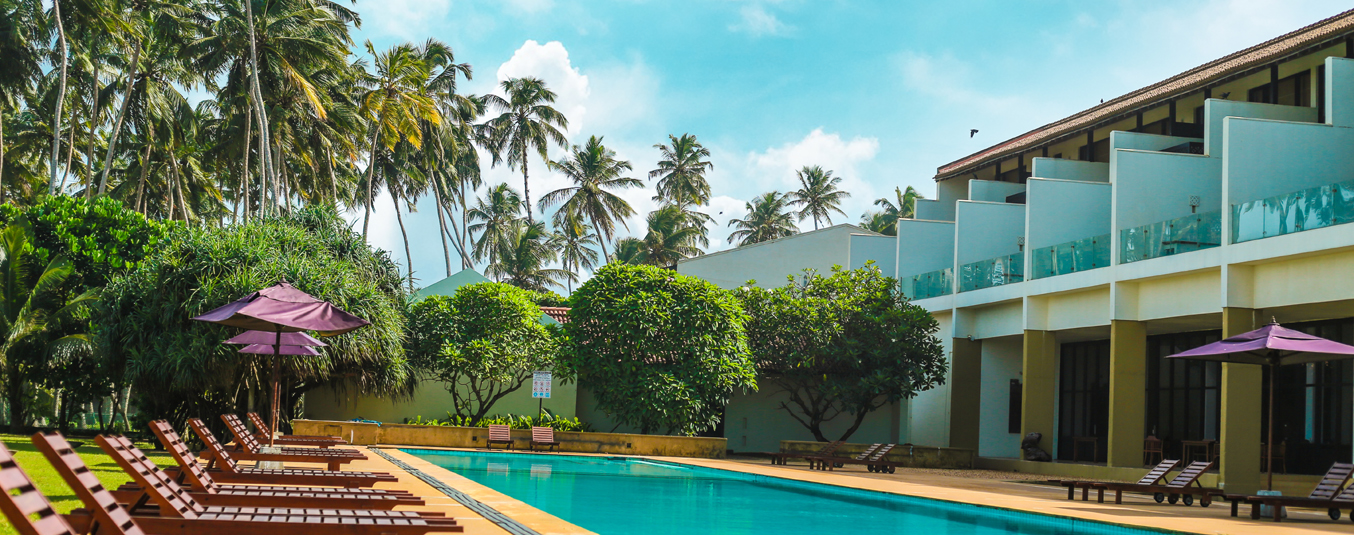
(230, 472)
(499, 434)
(27, 509)
(1186, 483)
(543, 436)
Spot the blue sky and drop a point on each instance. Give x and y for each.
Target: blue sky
(882, 92)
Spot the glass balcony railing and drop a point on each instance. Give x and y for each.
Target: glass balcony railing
(1311, 208)
(1173, 236)
(933, 284)
(1070, 257)
(991, 272)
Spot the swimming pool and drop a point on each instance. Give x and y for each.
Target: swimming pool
(613, 495)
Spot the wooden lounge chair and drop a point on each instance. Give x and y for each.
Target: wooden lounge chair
(828, 462)
(499, 434)
(783, 457)
(262, 432)
(248, 449)
(1178, 488)
(1152, 477)
(228, 471)
(177, 513)
(24, 505)
(543, 436)
(206, 490)
(1327, 495)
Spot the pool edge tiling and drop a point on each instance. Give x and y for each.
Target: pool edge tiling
(517, 510)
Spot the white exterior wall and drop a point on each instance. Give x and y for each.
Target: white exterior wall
(924, 246)
(1071, 170)
(1059, 211)
(992, 191)
(1002, 362)
(769, 263)
(883, 250)
(929, 414)
(1140, 141)
(986, 230)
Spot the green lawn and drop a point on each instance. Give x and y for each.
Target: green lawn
(54, 487)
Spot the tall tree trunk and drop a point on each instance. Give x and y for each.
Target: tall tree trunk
(442, 225)
(178, 186)
(94, 116)
(526, 188)
(409, 259)
(2, 153)
(601, 240)
(465, 231)
(145, 168)
(15, 391)
(60, 95)
(265, 139)
(263, 166)
(244, 169)
(70, 154)
(122, 114)
(126, 400)
(371, 174)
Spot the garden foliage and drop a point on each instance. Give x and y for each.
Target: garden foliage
(179, 367)
(659, 350)
(482, 343)
(514, 421)
(843, 344)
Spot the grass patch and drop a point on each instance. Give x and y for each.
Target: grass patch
(51, 484)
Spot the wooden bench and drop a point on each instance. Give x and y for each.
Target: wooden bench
(543, 436)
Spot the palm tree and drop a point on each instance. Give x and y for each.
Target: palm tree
(670, 238)
(594, 170)
(57, 116)
(817, 195)
(768, 218)
(906, 207)
(879, 222)
(19, 61)
(628, 251)
(575, 248)
(681, 172)
(527, 122)
(527, 249)
(493, 217)
(29, 307)
(395, 103)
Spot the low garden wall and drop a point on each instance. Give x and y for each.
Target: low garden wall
(903, 454)
(365, 434)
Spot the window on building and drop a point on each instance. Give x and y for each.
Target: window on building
(1083, 402)
(1183, 396)
(1314, 401)
(1295, 90)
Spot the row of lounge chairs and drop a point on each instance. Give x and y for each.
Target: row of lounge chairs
(219, 498)
(826, 458)
(540, 436)
(1333, 493)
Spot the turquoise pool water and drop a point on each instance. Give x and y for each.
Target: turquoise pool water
(628, 496)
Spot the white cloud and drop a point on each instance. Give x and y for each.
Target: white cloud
(408, 20)
(529, 7)
(949, 80)
(550, 62)
(758, 22)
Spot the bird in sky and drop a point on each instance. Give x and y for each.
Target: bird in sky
(972, 132)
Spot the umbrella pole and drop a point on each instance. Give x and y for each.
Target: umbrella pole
(1269, 448)
(277, 380)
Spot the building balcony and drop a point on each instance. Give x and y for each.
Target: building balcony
(1174, 236)
(927, 285)
(991, 272)
(1307, 209)
(1070, 257)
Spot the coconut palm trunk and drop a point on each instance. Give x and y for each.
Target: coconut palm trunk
(601, 239)
(526, 186)
(371, 178)
(408, 258)
(442, 225)
(244, 168)
(117, 123)
(95, 114)
(2, 154)
(145, 167)
(60, 96)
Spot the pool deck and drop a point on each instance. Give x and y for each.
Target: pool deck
(986, 488)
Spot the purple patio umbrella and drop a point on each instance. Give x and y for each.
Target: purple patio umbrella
(281, 309)
(269, 338)
(265, 349)
(1271, 346)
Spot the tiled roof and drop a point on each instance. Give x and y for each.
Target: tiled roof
(1179, 85)
(559, 314)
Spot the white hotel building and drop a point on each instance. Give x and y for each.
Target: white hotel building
(1065, 263)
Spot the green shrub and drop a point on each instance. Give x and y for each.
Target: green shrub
(514, 421)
